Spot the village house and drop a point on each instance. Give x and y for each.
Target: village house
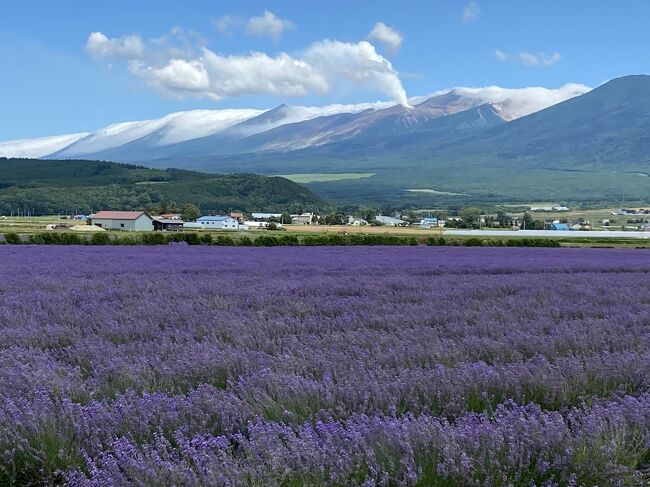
(302, 219)
(237, 215)
(356, 222)
(123, 220)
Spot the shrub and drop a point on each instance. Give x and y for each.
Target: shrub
(473, 242)
(244, 241)
(13, 238)
(313, 240)
(154, 238)
(189, 238)
(223, 240)
(436, 241)
(266, 241)
(288, 240)
(55, 238)
(127, 240)
(100, 238)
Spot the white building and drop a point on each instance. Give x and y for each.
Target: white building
(429, 222)
(356, 222)
(390, 221)
(302, 219)
(252, 225)
(218, 222)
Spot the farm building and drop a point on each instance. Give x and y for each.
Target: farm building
(237, 215)
(167, 224)
(123, 220)
(356, 222)
(302, 219)
(218, 222)
(390, 221)
(559, 226)
(429, 222)
(171, 216)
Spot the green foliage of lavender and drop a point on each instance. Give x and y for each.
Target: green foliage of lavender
(266, 240)
(196, 365)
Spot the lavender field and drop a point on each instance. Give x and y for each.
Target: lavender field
(324, 366)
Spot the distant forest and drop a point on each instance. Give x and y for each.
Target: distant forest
(51, 187)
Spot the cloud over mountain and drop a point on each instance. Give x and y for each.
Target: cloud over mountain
(199, 72)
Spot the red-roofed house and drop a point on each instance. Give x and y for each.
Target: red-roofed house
(123, 220)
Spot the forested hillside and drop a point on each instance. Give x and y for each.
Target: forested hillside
(48, 187)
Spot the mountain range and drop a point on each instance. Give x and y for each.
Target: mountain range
(488, 145)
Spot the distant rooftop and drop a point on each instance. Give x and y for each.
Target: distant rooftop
(118, 215)
(175, 221)
(213, 218)
(266, 215)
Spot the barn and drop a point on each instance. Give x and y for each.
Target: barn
(132, 221)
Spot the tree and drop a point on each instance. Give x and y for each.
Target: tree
(335, 219)
(369, 215)
(470, 215)
(285, 218)
(190, 212)
(527, 222)
(503, 218)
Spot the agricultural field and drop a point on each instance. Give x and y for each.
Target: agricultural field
(190, 365)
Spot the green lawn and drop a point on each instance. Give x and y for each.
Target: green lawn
(325, 177)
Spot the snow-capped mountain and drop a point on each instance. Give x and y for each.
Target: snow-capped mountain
(200, 133)
(39, 147)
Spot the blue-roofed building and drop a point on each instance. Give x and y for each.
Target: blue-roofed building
(218, 222)
(429, 222)
(560, 227)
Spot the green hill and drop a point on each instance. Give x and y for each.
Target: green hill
(48, 187)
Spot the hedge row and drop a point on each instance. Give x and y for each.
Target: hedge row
(157, 238)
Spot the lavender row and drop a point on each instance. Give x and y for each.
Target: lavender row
(606, 444)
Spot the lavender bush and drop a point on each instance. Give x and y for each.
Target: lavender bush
(324, 366)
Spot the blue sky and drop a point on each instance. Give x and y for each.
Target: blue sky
(153, 58)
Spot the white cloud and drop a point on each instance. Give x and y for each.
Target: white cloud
(389, 37)
(202, 73)
(38, 147)
(471, 12)
(226, 23)
(216, 77)
(99, 46)
(529, 58)
(358, 63)
(539, 59)
(518, 102)
(268, 25)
